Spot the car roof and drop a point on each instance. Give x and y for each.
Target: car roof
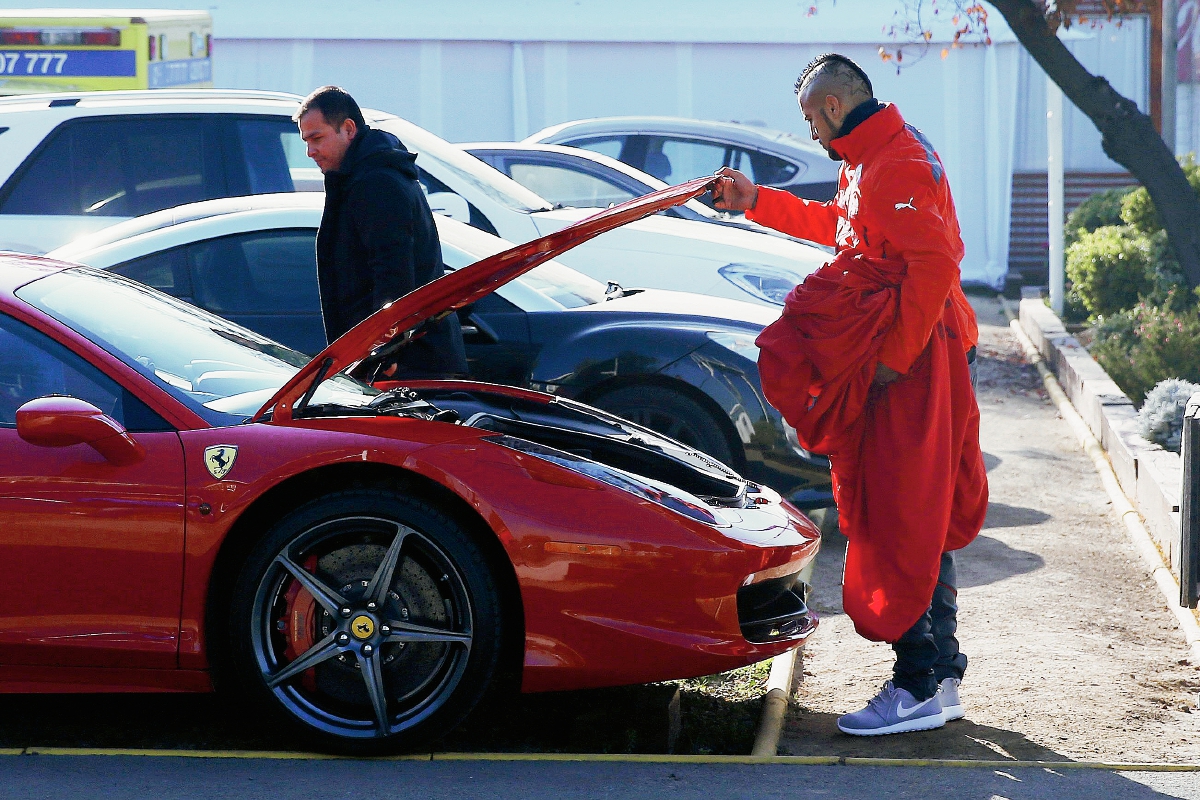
(736, 132)
(190, 212)
(135, 100)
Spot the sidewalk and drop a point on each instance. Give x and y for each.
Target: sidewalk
(1073, 654)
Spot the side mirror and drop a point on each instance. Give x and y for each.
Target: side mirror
(59, 421)
(451, 205)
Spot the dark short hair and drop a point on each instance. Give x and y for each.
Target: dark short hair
(335, 104)
(838, 60)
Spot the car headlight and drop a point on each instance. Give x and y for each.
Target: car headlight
(740, 343)
(762, 281)
(663, 494)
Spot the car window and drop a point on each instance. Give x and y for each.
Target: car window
(271, 148)
(265, 272)
(610, 146)
(767, 169)
(679, 160)
(118, 168)
(166, 271)
(741, 161)
(33, 365)
(565, 186)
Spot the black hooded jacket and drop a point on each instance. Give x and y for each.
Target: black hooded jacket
(377, 243)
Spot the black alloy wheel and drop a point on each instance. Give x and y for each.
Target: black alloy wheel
(672, 414)
(368, 619)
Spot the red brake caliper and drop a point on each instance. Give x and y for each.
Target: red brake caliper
(300, 617)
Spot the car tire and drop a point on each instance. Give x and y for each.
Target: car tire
(672, 414)
(366, 621)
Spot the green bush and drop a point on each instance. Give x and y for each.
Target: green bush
(1146, 344)
(1137, 209)
(1111, 268)
(1102, 208)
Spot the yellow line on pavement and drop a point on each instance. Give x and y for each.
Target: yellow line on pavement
(610, 758)
(634, 758)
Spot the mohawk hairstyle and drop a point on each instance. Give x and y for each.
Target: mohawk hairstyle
(840, 63)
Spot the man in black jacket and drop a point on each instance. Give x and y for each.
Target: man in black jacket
(377, 241)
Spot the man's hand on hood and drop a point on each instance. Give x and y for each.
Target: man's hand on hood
(735, 192)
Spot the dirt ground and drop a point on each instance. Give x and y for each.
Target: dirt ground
(1073, 653)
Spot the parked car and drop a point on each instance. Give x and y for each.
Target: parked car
(572, 176)
(682, 364)
(674, 149)
(73, 163)
(363, 563)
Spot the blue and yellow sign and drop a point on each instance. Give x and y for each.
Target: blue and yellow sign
(79, 50)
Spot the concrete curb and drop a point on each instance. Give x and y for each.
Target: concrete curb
(1151, 555)
(775, 704)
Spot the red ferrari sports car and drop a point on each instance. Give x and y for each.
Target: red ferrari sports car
(186, 503)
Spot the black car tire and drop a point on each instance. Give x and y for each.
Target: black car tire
(395, 659)
(672, 414)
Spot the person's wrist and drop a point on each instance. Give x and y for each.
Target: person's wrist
(753, 199)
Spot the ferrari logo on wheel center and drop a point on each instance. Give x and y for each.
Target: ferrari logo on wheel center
(362, 626)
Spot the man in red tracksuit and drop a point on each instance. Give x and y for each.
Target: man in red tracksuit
(893, 207)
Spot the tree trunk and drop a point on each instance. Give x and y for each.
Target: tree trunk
(1128, 135)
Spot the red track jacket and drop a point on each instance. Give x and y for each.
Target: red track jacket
(908, 473)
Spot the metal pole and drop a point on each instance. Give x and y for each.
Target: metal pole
(1189, 551)
(1054, 178)
(1170, 68)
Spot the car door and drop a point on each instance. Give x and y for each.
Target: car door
(91, 172)
(92, 551)
(496, 337)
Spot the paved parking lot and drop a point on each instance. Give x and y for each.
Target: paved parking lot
(170, 778)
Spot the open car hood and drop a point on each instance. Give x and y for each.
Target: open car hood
(400, 321)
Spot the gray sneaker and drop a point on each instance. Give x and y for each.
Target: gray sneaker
(894, 710)
(952, 705)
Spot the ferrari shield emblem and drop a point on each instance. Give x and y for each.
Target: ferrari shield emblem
(219, 459)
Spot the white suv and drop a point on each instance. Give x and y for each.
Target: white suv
(71, 164)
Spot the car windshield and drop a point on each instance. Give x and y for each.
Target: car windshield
(444, 160)
(222, 371)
